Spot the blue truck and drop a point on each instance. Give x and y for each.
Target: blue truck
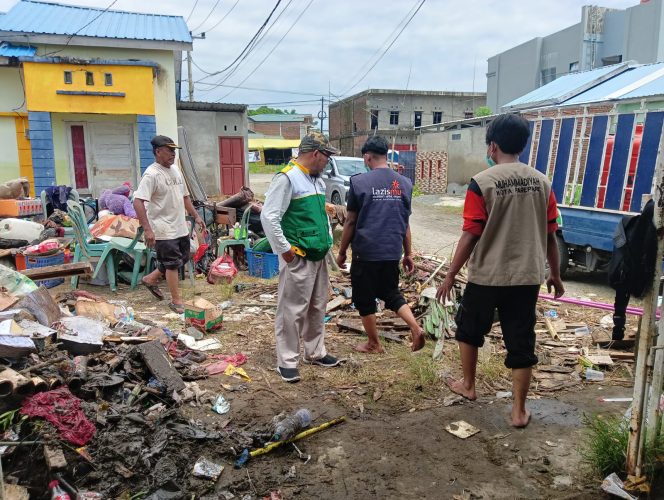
(601, 168)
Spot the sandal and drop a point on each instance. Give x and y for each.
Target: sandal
(176, 308)
(154, 290)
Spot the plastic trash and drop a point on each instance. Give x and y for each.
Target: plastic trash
(20, 229)
(504, 394)
(551, 313)
(206, 469)
(15, 283)
(594, 374)
(614, 486)
(292, 424)
(580, 332)
(57, 493)
(221, 406)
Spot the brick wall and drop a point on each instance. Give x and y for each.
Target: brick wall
(431, 171)
(288, 130)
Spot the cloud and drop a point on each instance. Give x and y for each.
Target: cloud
(447, 43)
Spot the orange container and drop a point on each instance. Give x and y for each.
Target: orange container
(20, 208)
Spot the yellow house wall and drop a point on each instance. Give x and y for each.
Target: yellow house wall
(61, 150)
(43, 81)
(9, 164)
(24, 150)
(163, 85)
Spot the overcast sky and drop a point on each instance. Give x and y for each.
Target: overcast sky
(334, 43)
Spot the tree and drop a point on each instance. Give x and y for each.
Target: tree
(265, 110)
(483, 111)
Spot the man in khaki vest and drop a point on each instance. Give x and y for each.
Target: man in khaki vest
(509, 231)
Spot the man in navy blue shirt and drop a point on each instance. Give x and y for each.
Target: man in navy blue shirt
(377, 229)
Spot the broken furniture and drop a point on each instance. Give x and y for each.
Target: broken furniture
(243, 238)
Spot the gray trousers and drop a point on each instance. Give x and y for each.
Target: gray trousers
(303, 294)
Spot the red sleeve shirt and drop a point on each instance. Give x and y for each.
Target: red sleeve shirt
(474, 210)
(475, 214)
(552, 214)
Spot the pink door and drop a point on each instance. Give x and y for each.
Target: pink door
(231, 160)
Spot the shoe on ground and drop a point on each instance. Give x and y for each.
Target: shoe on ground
(290, 375)
(326, 361)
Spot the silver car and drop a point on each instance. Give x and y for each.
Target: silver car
(337, 177)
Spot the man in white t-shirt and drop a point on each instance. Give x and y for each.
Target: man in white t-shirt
(163, 218)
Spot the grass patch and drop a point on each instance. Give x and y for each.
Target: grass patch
(604, 448)
(417, 191)
(491, 368)
(265, 169)
(452, 210)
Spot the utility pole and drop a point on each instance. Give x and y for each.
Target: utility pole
(322, 114)
(189, 72)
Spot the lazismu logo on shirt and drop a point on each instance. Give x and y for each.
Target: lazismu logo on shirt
(394, 191)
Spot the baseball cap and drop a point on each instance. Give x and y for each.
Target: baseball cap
(161, 140)
(316, 141)
(376, 144)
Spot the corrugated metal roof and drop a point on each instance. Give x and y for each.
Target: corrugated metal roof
(564, 87)
(633, 83)
(9, 50)
(277, 118)
(210, 106)
(29, 16)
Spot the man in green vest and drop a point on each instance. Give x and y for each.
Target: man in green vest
(297, 227)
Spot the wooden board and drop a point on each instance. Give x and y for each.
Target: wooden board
(59, 271)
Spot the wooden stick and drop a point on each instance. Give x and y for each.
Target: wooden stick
(59, 271)
(550, 327)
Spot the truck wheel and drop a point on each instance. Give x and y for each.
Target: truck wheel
(563, 253)
(336, 199)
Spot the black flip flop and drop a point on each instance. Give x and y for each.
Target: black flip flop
(176, 308)
(154, 290)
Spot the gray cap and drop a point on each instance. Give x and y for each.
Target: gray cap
(316, 141)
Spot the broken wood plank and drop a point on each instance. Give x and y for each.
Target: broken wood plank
(335, 303)
(157, 361)
(55, 459)
(551, 329)
(59, 271)
(555, 369)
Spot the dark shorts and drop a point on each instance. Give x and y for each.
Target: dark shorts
(375, 280)
(172, 254)
(516, 310)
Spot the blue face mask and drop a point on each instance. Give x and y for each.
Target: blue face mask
(489, 161)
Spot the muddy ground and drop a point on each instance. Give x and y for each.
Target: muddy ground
(393, 444)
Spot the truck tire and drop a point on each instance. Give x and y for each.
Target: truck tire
(336, 198)
(563, 253)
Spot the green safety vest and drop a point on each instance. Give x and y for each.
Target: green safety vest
(305, 223)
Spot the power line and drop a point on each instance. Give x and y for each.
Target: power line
(386, 49)
(307, 101)
(206, 17)
(192, 11)
(82, 28)
(254, 46)
(253, 39)
(224, 17)
(317, 94)
(271, 51)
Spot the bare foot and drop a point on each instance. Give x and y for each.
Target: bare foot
(459, 387)
(418, 341)
(369, 348)
(520, 419)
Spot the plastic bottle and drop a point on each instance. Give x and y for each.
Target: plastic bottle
(57, 493)
(292, 424)
(130, 314)
(594, 374)
(580, 332)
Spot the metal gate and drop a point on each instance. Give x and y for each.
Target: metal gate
(407, 159)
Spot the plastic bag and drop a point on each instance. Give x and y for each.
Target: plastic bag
(222, 270)
(15, 283)
(115, 226)
(45, 247)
